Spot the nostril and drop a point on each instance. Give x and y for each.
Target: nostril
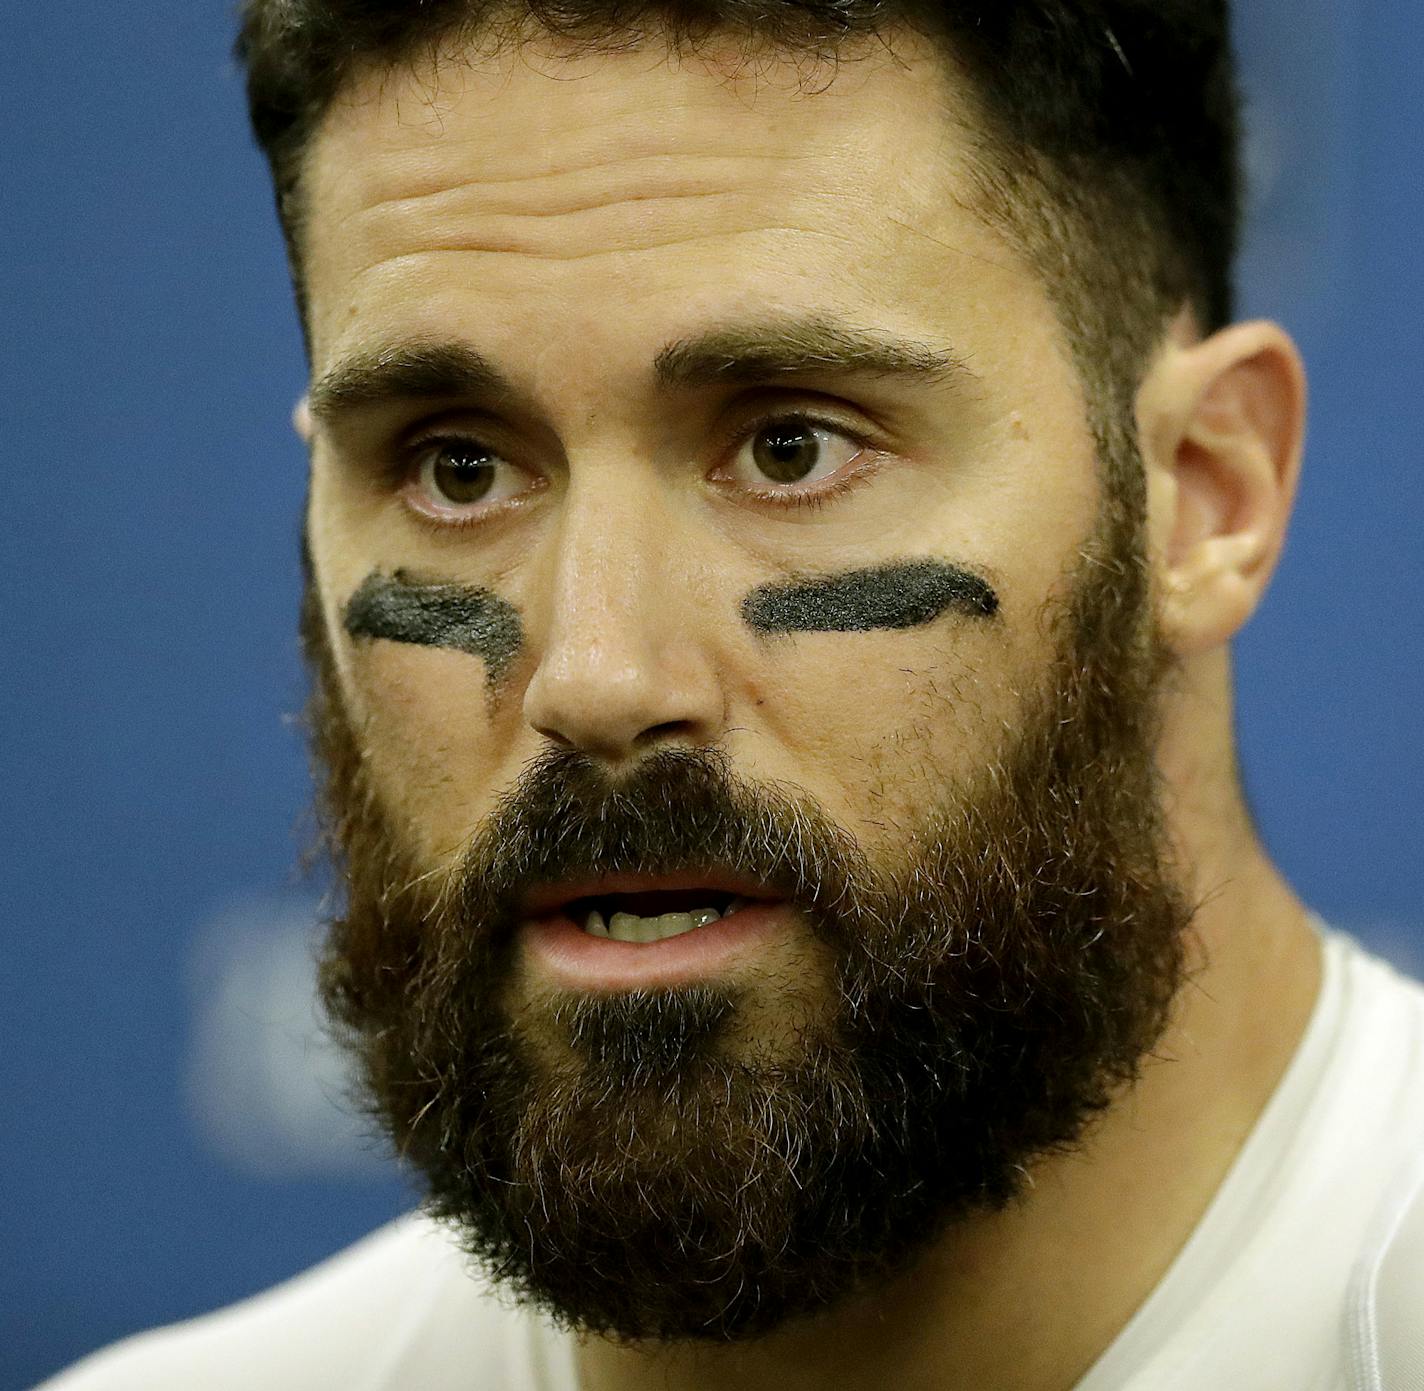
(669, 729)
(554, 737)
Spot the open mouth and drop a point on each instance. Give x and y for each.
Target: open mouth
(621, 931)
(653, 915)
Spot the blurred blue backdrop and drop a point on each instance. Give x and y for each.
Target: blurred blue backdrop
(170, 1142)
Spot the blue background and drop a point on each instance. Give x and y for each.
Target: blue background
(154, 789)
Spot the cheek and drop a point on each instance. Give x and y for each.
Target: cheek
(428, 738)
(874, 724)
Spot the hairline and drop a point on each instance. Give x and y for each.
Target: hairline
(1026, 198)
(1001, 172)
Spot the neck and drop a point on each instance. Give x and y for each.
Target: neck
(1028, 1298)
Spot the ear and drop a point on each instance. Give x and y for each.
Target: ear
(1222, 426)
(302, 421)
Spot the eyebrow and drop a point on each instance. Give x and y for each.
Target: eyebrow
(417, 371)
(801, 347)
(429, 371)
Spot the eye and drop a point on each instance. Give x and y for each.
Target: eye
(793, 450)
(455, 477)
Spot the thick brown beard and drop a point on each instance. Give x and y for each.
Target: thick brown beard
(995, 990)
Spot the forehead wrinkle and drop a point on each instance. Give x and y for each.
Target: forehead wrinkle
(422, 206)
(369, 159)
(529, 250)
(449, 227)
(431, 181)
(467, 166)
(466, 214)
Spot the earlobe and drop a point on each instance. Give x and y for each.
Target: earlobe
(302, 421)
(1222, 424)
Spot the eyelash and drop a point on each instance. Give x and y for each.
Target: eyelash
(814, 499)
(406, 469)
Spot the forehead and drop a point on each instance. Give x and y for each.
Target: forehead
(636, 194)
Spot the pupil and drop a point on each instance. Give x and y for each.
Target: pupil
(786, 454)
(463, 476)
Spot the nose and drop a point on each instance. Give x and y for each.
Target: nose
(625, 663)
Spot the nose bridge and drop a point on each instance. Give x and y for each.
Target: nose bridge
(610, 554)
(619, 660)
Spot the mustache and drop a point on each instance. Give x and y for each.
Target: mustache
(679, 810)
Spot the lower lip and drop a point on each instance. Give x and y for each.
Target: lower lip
(577, 959)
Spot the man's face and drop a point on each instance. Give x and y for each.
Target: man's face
(570, 223)
(701, 496)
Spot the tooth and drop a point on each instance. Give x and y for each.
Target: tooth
(629, 927)
(594, 923)
(735, 905)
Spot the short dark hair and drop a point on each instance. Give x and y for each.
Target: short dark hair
(1110, 127)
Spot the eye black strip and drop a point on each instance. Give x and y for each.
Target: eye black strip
(463, 618)
(904, 594)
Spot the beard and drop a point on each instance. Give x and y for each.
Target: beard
(629, 1162)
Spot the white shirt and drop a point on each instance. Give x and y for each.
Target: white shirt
(1306, 1273)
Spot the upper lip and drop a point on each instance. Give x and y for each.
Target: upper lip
(546, 897)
